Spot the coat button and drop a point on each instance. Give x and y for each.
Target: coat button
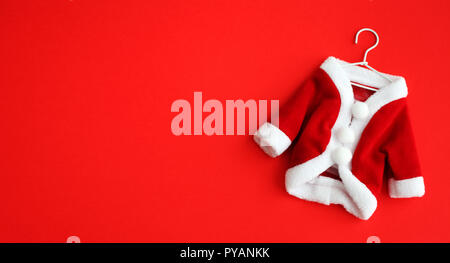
(345, 135)
(342, 155)
(360, 110)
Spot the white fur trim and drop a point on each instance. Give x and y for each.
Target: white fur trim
(413, 187)
(345, 135)
(363, 199)
(354, 196)
(271, 139)
(304, 180)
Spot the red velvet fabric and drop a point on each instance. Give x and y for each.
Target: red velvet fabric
(307, 118)
(387, 140)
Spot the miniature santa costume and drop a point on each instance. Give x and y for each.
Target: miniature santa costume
(345, 139)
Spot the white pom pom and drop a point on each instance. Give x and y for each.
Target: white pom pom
(360, 110)
(345, 135)
(342, 155)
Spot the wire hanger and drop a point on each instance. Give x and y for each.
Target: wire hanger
(364, 62)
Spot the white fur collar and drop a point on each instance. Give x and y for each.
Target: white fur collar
(342, 73)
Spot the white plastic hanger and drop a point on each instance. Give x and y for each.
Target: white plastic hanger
(364, 62)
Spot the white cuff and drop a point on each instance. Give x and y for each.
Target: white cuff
(413, 187)
(271, 139)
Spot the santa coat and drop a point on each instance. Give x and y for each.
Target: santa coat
(344, 142)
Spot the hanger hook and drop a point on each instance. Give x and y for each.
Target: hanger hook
(372, 47)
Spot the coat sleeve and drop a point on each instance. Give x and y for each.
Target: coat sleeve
(405, 178)
(275, 140)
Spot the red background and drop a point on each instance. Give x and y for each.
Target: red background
(86, 147)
